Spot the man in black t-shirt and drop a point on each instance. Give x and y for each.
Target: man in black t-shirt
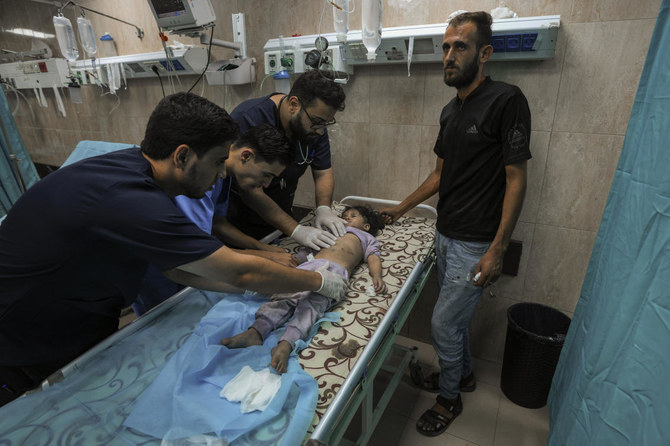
(480, 175)
(75, 246)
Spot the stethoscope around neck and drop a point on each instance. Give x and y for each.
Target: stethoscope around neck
(305, 157)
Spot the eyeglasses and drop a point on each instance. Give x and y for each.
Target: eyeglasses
(317, 123)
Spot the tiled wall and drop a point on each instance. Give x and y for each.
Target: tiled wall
(382, 146)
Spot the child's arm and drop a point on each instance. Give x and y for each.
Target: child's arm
(375, 267)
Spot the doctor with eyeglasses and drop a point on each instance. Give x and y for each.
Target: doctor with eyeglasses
(303, 115)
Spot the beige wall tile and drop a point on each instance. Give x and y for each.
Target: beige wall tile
(394, 160)
(436, 94)
(539, 147)
(541, 7)
(611, 10)
(300, 16)
(557, 265)
(258, 19)
(124, 129)
(350, 148)
(394, 97)
(427, 158)
(439, 10)
(357, 103)
(598, 86)
(578, 177)
(404, 12)
(538, 80)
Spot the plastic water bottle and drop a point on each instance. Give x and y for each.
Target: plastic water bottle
(341, 19)
(87, 36)
(371, 17)
(65, 35)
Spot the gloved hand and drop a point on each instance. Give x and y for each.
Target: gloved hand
(313, 237)
(326, 219)
(332, 285)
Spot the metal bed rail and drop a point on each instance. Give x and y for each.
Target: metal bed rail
(358, 385)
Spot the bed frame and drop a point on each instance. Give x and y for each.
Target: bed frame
(127, 379)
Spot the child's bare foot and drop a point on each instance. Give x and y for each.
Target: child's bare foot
(244, 339)
(280, 356)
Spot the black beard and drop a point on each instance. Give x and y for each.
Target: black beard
(299, 133)
(465, 77)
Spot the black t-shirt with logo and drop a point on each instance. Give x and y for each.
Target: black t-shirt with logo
(478, 138)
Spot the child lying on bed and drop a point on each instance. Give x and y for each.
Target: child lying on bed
(306, 308)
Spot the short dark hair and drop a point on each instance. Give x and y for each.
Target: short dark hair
(482, 21)
(186, 118)
(268, 143)
(371, 217)
(318, 84)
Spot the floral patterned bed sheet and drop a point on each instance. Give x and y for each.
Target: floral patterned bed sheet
(337, 346)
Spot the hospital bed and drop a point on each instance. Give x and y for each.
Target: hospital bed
(96, 392)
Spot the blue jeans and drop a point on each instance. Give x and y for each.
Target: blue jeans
(456, 261)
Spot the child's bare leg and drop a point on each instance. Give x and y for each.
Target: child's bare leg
(280, 356)
(244, 339)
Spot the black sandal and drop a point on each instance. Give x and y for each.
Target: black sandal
(436, 420)
(432, 383)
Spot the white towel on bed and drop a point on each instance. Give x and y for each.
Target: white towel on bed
(254, 390)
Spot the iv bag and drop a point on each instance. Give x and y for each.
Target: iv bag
(65, 35)
(371, 17)
(341, 19)
(87, 36)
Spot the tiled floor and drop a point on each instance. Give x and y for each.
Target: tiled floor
(488, 418)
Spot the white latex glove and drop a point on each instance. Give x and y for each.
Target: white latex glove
(313, 237)
(332, 285)
(326, 219)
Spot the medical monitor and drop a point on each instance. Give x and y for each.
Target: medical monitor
(180, 15)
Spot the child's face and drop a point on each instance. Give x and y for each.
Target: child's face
(355, 219)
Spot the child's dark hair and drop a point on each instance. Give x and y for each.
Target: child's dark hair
(371, 217)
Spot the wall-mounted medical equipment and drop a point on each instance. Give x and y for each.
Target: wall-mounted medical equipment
(183, 60)
(231, 72)
(298, 54)
(183, 16)
(525, 38)
(513, 39)
(35, 73)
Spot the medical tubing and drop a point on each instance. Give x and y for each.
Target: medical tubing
(341, 398)
(154, 68)
(209, 52)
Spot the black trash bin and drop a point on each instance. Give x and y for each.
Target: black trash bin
(535, 336)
